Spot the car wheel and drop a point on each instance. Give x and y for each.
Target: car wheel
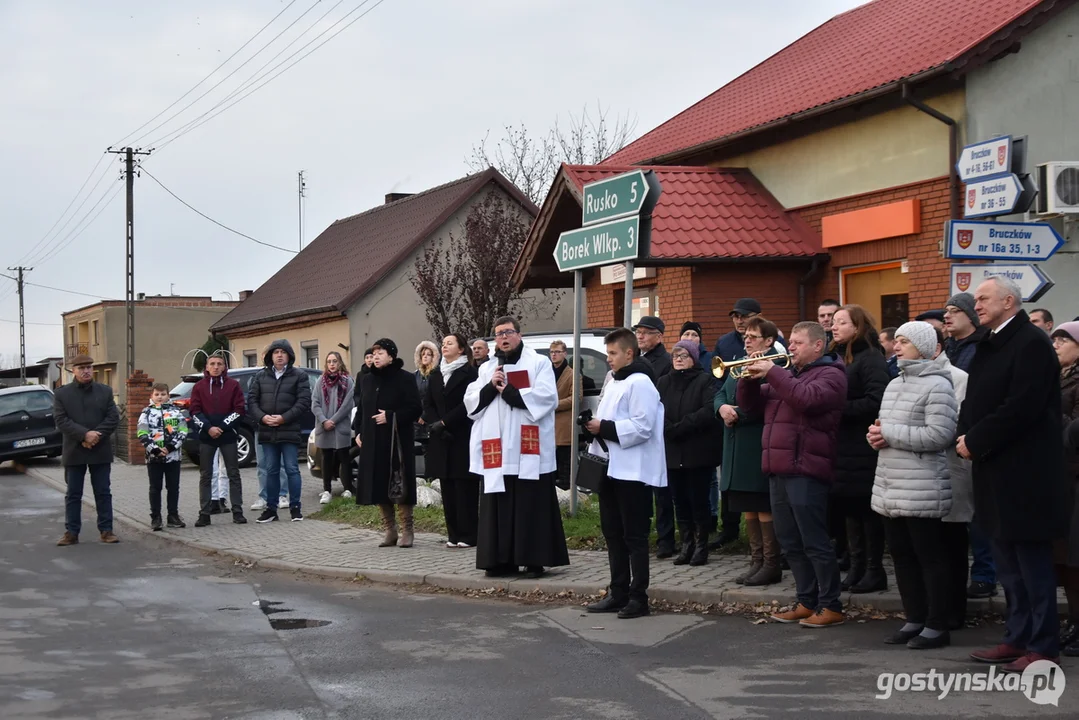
(245, 448)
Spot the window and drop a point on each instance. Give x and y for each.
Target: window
(251, 358)
(108, 378)
(95, 332)
(645, 302)
(311, 356)
(71, 334)
(36, 401)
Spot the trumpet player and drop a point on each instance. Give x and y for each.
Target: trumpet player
(802, 408)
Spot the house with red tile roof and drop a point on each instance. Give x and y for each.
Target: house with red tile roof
(352, 284)
(825, 171)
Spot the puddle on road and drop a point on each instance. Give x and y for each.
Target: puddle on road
(296, 623)
(268, 607)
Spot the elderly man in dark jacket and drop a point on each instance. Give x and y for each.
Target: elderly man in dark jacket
(278, 398)
(87, 416)
(802, 411)
(1010, 428)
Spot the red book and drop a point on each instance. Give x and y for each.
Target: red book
(518, 379)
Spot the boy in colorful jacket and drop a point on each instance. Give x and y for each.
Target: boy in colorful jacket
(161, 431)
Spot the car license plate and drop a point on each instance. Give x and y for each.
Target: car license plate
(29, 443)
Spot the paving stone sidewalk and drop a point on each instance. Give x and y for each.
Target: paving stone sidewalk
(332, 549)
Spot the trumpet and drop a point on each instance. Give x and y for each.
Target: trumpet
(737, 368)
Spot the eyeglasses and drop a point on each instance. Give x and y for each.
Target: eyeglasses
(680, 356)
(747, 336)
(646, 331)
(505, 333)
(1059, 341)
(746, 316)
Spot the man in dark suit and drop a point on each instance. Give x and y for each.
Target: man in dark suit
(1010, 428)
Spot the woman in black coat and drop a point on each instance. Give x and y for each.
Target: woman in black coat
(449, 428)
(691, 440)
(856, 341)
(389, 404)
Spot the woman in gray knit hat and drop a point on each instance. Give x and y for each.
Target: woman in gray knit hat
(912, 487)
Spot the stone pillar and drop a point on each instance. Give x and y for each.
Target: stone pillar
(139, 389)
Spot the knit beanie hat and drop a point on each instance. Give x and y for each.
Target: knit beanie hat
(694, 326)
(388, 345)
(690, 347)
(1069, 330)
(922, 335)
(965, 302)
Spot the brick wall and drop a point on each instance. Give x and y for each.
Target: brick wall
(139, 387)
(928, 278)
(774, 285)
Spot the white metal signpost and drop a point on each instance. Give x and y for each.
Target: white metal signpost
(989, 240)
(992, 197)
(1031, 280)
(617, 226)
(985, 159)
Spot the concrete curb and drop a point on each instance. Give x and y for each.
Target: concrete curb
(551, 584)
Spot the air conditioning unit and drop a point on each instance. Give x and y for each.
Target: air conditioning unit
(1059, 188)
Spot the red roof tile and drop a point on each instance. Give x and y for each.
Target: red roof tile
(708, 213)
(877, 44)
(353, 254)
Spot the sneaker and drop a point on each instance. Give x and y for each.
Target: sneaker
(346, 494)
(175, 521)
(464, 545)
(979, 589)
(156, 524)
(325, 497)
(259, 504)
(451, 544)
(109, 537)
(238, 518)
(796, 614)
(824, 618)
(295, 513)
(268, 515)
(69, 538)
(215, 507)
(282, 503)
(203, 520)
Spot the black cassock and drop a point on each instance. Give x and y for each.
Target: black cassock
(521, 526)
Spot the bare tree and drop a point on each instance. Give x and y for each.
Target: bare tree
(531, 161)
(464, 282)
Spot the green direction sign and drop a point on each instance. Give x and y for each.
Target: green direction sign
(614, 197)
(604, 244)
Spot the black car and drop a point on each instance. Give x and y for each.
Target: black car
(181, 397)
(27, 426)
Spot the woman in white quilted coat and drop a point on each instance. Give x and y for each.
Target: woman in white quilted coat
(912, 488)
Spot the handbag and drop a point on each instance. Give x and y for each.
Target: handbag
(592, 469)
(396, 490)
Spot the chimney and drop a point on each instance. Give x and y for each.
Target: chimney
(394, 197)
(244, 294)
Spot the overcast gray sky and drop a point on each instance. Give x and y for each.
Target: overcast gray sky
(395, 102)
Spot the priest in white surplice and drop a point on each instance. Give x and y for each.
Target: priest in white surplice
(512, 448)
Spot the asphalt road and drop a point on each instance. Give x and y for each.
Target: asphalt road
(150, 629)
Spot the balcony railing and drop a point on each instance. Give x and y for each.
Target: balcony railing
(74, 349)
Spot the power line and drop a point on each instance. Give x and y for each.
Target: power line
(76, 231)
(215, 222)
(16, 322)
(46, 247)
(222, 80)
(34, 247)
(199, 121)
(208, 76)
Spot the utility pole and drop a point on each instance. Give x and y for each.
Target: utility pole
(299, 205)
(22, 323)
(129, 175)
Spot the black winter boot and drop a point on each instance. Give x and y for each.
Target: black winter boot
(875, 579)
(856, 553)
(687, 549)
(700, 554)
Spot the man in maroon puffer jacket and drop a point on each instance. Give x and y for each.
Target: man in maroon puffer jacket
(802, 408)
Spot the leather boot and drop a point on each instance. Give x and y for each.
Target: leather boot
(687, 549)
(389, 525)
(756, 550)
(405, 511)
(875, 579)
(856, 548)
(700, 554)
(769, 573)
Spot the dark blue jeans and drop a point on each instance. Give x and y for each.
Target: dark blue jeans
(1030, 588)
(282, 457)
(800, 521)
(982, 568)
(75, 476)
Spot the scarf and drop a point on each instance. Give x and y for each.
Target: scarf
(448, 368)
(331, 381)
